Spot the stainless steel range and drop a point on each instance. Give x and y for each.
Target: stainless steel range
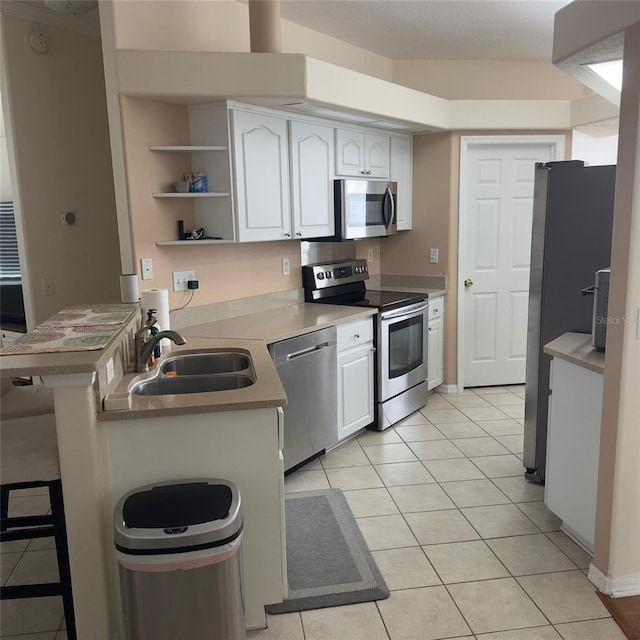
(400, 337)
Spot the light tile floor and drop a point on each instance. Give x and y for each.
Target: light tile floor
(465, 544)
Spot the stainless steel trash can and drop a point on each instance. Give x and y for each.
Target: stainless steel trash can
(178, 546)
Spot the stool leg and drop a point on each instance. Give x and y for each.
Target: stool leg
(4, 507)
(62, 551)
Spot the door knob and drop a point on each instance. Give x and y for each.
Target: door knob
(468, 282)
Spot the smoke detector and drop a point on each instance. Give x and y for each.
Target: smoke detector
(71, 7)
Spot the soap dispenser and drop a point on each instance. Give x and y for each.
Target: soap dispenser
(152, 323)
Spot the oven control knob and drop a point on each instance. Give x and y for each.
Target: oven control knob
(357, 269)
(365, 269)
(320, 276)
(328, 274)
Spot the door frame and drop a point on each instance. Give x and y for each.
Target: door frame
(556, 144)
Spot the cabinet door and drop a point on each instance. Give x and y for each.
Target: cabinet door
(350, 153)
(261, 160)
(376, 156)
(435, 347)
(400, 171)
(312, 170)
(355, 389)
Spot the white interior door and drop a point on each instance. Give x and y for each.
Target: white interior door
(496, 203)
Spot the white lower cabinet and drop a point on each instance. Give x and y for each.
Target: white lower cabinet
(573, 448)
(355, 377)
(435, 344)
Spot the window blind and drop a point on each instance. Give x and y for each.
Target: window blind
(9, 257)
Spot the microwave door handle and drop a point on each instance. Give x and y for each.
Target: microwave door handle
(387, 220)
(392, 217)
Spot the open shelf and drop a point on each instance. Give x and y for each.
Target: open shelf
(182, 243)
(175, 194)
(187, 148)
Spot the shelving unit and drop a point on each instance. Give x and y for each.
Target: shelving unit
(213, 209)
(182, 243)
(187, 148)
(175, 194)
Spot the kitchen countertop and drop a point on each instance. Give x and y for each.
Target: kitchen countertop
(432, 293)
(279, 324)
(266, 392)
(576, 348)
(249, 333)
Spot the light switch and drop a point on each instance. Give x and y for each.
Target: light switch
(433, 256)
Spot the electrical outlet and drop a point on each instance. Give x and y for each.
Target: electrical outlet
(146, 268)
(285, 266)
(369, 255)
(180, 279)
(110, 371)
(433, 256)
(47, 286)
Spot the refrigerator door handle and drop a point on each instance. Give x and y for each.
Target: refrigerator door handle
(589, 291)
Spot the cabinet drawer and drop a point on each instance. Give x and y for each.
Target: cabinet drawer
(436, 307)
(355, 333)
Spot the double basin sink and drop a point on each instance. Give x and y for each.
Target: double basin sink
(201, 372)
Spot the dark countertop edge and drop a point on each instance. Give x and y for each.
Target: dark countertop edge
(576, 348)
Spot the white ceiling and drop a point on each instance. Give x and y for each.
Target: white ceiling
(438, 29)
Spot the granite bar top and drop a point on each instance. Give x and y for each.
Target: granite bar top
(72, 362)
(576, 348)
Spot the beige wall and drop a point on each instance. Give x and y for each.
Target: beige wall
(226, 271)
(616, 548)
(436, 175)
(488, 79)
(223, 25)
(435, 221)
(61, 138)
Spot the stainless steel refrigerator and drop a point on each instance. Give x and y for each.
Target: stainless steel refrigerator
(571, 240)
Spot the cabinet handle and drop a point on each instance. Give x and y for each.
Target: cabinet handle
(430, 329)
(363, 172)
(287, 235)
(369, 172)
(356, 336)
(298, 233)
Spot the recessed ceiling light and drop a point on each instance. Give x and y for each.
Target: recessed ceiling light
(610, 71)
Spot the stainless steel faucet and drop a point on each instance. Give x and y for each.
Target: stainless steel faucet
(144, 349)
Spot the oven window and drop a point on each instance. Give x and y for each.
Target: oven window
(405, 346)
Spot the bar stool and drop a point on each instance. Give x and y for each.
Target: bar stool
(30, 460)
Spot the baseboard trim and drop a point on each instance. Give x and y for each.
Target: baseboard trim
(448, 389)
(616, 587)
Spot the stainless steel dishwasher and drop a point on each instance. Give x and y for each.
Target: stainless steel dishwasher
(307, 367)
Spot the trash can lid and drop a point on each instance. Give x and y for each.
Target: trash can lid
(178, 516)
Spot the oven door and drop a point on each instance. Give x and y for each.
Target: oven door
(402, 352)
(368, 208)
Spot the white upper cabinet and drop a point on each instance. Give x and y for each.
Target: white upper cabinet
(312, 171)
(401, 172)
(361, 154)
(261, 162)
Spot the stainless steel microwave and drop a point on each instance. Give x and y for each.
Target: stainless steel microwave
(365, 209)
